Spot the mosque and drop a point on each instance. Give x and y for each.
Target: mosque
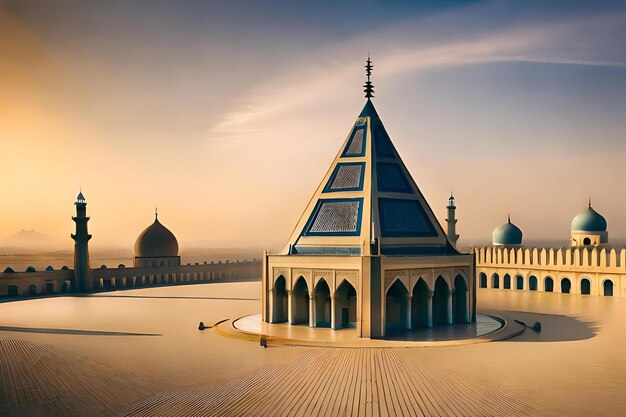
(368, 251)
(589, 266)
(156, 261)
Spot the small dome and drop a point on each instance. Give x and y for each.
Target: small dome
(156, 241)
(507, 234)
(589, 221)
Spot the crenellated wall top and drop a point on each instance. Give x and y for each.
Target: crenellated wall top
(596, 257)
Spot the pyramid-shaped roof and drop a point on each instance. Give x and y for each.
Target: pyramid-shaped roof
(368, 203)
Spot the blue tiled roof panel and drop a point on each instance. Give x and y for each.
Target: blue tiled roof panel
(404, 218)
(390, 178)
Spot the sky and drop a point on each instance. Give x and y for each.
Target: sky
(226, 115)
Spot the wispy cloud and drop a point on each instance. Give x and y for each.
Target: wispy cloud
(305, 85)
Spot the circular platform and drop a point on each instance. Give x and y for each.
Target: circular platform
(487, 328)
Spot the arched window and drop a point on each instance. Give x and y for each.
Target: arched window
(608, 287)
(585, 286)
(532, 283)
(566, 285)
(507, 282)
(483, 280)
(519, 282)
(12, 291)
(548, 284)
(32, 289)
(495, 281)
(586, 241)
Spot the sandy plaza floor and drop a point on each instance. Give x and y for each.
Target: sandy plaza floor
(139, 352)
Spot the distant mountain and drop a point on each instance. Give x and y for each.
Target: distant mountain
(31, 240)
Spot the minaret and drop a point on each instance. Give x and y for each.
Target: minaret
(82, 269)
(452, 236)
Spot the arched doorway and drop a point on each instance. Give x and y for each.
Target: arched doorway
(548, 284)
(507, 282)
(519, 282)
(461, 313)
(532, 283)
(280, 300)
(345, 305)
(495, 281)
(440, 301)
(396, 307)
(322, 304)
(419, 304)
(300, 302)
(483, 280)
(566, 285)
(585, 286)
(586, 241)
(32, 289)
(608, 287)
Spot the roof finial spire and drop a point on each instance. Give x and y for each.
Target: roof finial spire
(80, 198)
(369, 87)
(590, 203)
(156, 213)
(509, 217)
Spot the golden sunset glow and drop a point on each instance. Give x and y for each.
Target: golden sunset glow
(141, 117)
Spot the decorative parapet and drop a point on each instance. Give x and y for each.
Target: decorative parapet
(596, 258)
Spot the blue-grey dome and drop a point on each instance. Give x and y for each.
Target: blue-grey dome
(156, 241)
(507, 234)
(589, 221)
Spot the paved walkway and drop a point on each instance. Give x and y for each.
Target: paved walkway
(346, 382)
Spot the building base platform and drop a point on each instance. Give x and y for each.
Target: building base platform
(487, 328)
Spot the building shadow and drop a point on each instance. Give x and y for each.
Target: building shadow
(554, 328)
(72, 332)
(175, 297)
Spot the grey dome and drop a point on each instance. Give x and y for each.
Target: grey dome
(156, 241)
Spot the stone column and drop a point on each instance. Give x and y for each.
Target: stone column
(312, 321)
(450, 312)
(333, 312)
(409, 324)
(468, 317)
(272, 300)
(430, 308)
(291, 307)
